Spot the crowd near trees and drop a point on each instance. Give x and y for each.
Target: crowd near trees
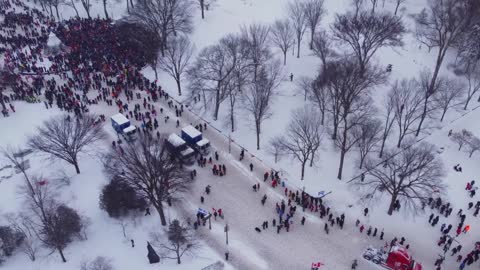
(241, 73)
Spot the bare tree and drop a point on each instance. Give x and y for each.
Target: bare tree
(181, 240)
(471, 71)
(367, 32)
(397, 5)
(64, 138)
(144, 39)
(473, 145)
(86, 5)
(104, 3)
(71, 3)
(166, 18)
(358, 5)
(319, 95)
(303, 136)
(348, 87)
(275, 148)
(314, 12)
(374, 5)
(322, 47)
(441, 26)
(462, 138)
(215, 67)
(281, 35)
(99, 263)
(21, 224)
(428, 94)
(449, 92)
(54, 223)
(260, 94)
(177, 57)
(254, 40)
(299, 21)
(148, 167)
(389, 119)
(407, 105)
(410, 177)
(204, 4)
(367, 136)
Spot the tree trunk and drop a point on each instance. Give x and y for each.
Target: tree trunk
(443, 115)
(311, 38)
(392, 205)
(340, 168)
(51, 11)
(131, 3)
(311, 160)
(441, 54)
(128, 7)
(298, 46)
(257, 129)
(178, 86)
(75, 8)
(344, 148)
(77, 168)
(400, 138)
(105, 8)
(396, 8)
(56, 11)
(232, 118)
(384, 138)
(217, 102)
(284, 58)
(2, 101)
(178, 259)
(304, 162)
(471, 154)
(202, 8)
(161, 214)
(61, 255)
(468, 101)
(362, 158)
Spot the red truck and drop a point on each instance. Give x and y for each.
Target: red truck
(397, 259)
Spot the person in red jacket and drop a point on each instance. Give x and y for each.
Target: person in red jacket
(361, 229)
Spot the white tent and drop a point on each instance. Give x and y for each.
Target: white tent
(53, 40)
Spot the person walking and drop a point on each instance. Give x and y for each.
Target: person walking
(251, 167)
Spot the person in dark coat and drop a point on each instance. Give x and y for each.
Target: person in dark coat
(365, 211)
(152, 255)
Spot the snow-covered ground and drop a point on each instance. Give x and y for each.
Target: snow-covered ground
(248, 249)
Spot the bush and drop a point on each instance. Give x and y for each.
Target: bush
(9, 241)
(99, 263)
(118, 199)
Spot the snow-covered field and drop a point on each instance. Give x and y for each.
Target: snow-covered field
(248, 249)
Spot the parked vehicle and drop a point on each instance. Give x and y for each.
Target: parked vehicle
(122, 126)
(397, 258)
(179, 149)
(194, 139)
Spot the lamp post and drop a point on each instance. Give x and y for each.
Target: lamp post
(226, 232)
